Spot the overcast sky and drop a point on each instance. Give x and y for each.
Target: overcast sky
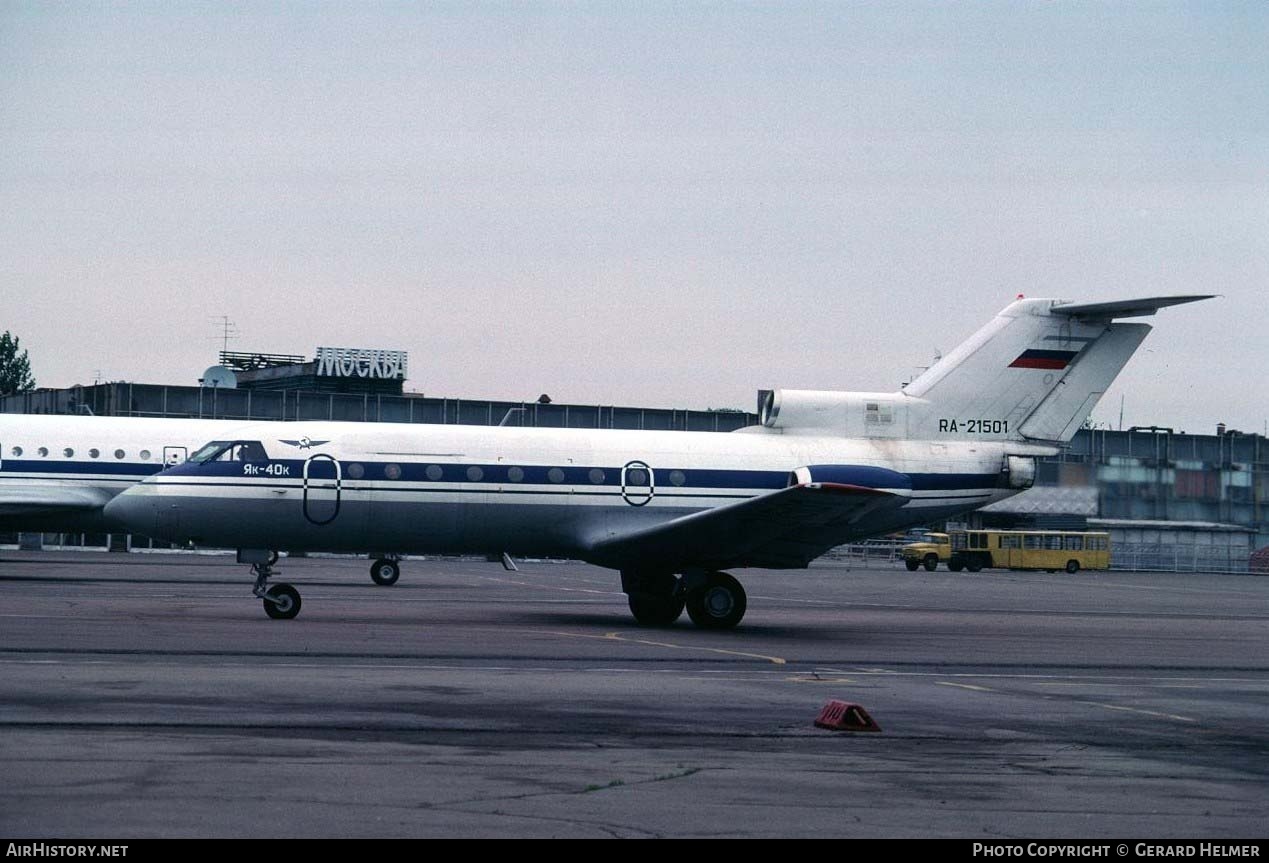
(653, 204)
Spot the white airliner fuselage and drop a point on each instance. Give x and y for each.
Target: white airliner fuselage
(670, 510)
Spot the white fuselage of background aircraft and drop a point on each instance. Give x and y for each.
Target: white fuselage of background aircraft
(58, 472)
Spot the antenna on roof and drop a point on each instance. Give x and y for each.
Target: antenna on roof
(228, 330)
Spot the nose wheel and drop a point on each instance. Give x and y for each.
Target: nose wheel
(281, 601)
(385, 571)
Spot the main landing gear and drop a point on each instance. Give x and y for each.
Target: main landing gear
(714, 600)
(386, 570)
(281, 601)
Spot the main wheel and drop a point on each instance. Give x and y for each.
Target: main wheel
(720, 604)
(1072, 566)
(385, 572)
(912, 565)
(651, 610)
(931, 562)
(282, 602)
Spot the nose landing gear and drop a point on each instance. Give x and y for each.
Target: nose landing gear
(281, 601)
(386, 570)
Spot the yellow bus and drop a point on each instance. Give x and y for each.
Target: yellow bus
(1029, 549)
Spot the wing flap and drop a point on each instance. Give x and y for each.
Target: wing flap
(783, 529)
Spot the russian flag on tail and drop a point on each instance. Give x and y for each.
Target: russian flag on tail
(1041, 359)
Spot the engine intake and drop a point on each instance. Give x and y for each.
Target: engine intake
(865, 476)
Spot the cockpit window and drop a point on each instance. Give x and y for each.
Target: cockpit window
(230, 450)
(209, 452)
(250, 450)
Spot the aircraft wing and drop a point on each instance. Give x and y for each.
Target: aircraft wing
(785, 529)
(35, 499)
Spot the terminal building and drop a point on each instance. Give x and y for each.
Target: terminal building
(1171, 500)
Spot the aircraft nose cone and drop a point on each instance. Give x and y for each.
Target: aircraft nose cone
(131, 511)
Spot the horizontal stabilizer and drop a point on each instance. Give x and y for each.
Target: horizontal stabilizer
(1123, 308)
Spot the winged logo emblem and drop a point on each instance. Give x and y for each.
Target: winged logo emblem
(305, 442)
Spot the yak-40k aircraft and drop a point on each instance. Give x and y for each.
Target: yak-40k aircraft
(670, 510)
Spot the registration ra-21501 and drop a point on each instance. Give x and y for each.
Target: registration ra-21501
(974, 426)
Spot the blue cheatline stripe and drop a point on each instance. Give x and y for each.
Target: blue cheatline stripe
(417, 472)
(438, 472)
(952, 481)
(51, 467)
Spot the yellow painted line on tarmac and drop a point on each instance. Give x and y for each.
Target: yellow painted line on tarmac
(964, 686)
(617, 636)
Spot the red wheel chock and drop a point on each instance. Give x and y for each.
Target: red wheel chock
(842, 716)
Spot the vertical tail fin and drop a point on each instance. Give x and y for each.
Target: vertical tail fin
(1034, 372)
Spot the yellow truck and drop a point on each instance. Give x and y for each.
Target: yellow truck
(934, 549)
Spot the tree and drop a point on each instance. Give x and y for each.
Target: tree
(15, 368)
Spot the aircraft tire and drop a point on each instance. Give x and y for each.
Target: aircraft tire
(385, 572)
(912, 565)
(931, 563)
(720, 604)
(649, 610)
(289, 599)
